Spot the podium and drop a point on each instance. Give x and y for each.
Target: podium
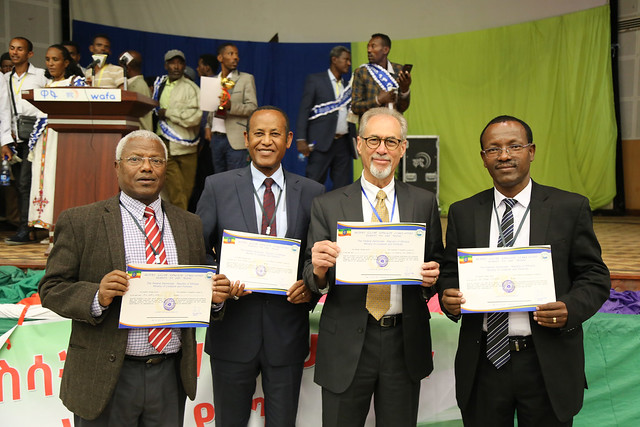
(89, 122)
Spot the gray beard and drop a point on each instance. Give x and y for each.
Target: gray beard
(380, 173)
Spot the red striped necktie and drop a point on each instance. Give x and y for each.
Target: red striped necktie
(158, 337)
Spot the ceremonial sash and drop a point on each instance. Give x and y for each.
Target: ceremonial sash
(169, 133)
(382, 77)
(331, 106)
(172, 135)
(156, 90)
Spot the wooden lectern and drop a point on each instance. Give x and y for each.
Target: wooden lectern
(89, 125)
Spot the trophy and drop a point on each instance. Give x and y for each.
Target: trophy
(225, 97)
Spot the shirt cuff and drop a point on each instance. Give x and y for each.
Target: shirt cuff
(217, 306)
(96, 308)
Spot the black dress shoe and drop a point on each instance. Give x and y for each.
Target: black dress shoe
(22, 237)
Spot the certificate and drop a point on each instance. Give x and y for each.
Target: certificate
(160, 295)
(387, 253)
(210, 91)
(505, 279)
(263, 263)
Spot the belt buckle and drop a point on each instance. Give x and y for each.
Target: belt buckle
(388, 321)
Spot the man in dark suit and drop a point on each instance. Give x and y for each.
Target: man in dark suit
(259, 332)
(364, 352)
(380, 83)
(324, 135)
(541, 376)
(116, 376)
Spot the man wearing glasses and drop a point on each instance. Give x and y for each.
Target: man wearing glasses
(525, 363)
(112, 376)
(366, 351)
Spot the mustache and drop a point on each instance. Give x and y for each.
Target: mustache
(380, 156)
(507, 164)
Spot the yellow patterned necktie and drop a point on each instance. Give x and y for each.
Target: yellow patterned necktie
(379, 296)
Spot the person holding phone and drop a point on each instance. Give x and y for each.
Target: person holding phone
(381, 83)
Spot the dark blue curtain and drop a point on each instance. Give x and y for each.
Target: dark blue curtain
(279, 68)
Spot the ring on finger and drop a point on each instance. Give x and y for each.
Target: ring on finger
(235, 297)
(555, 320)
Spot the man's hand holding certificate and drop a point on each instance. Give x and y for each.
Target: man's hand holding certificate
(505, 279)
(386, 253)
(176, 296)
(262, 263)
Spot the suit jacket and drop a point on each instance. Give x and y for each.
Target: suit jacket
(89, 243)
(344, 315)
(365, 90)
(318, 89)
(228, 202)
(243, 102)
(582, 282)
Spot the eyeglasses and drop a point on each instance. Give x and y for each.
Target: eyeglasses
(512, 149)
(156, 162)
(374, 142)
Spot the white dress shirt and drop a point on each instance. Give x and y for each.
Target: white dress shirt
(258, 178)
(518, 321)
(368, 206)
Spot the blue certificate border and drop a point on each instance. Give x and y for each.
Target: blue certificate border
(467, 256)
(139, 269)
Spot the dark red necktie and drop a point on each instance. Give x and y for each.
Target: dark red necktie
(158, 337)
(269, 212)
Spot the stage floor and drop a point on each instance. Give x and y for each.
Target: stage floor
(618, 236)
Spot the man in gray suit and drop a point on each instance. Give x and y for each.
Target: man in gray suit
(364, 352)
(112, 376)
(227, 133)
(260, 332)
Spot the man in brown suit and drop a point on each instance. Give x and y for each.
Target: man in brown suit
(112, 376)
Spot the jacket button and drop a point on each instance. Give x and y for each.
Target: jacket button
(360, 330)
(112, 358)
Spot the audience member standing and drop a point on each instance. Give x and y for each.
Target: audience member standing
(178, 125)
(324, 135)
(380, 83)
(136, 83)
(227, 139)
(107, 75)
(24, 76)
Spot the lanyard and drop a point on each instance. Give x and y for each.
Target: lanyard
(135, 221)
(24, 77)
(100, 74)
(268, 230)
(519, 226)
(393, 208)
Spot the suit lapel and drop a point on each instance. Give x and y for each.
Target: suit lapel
(483, 219)
(244, 187)
(540, 216)
(179, 230)
(293, 191)
(351, 204)
(112, 222)
(405, 202)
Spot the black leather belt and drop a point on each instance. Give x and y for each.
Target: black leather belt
(389, 321)
(337, 136)
(219, 133)
(516, 343)
(521, 343)
(153, 359)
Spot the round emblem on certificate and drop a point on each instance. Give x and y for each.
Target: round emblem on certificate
(169, 304)
(508, 286)
(261, 270)
(382, 261)
(209, 275)
(419, 232)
